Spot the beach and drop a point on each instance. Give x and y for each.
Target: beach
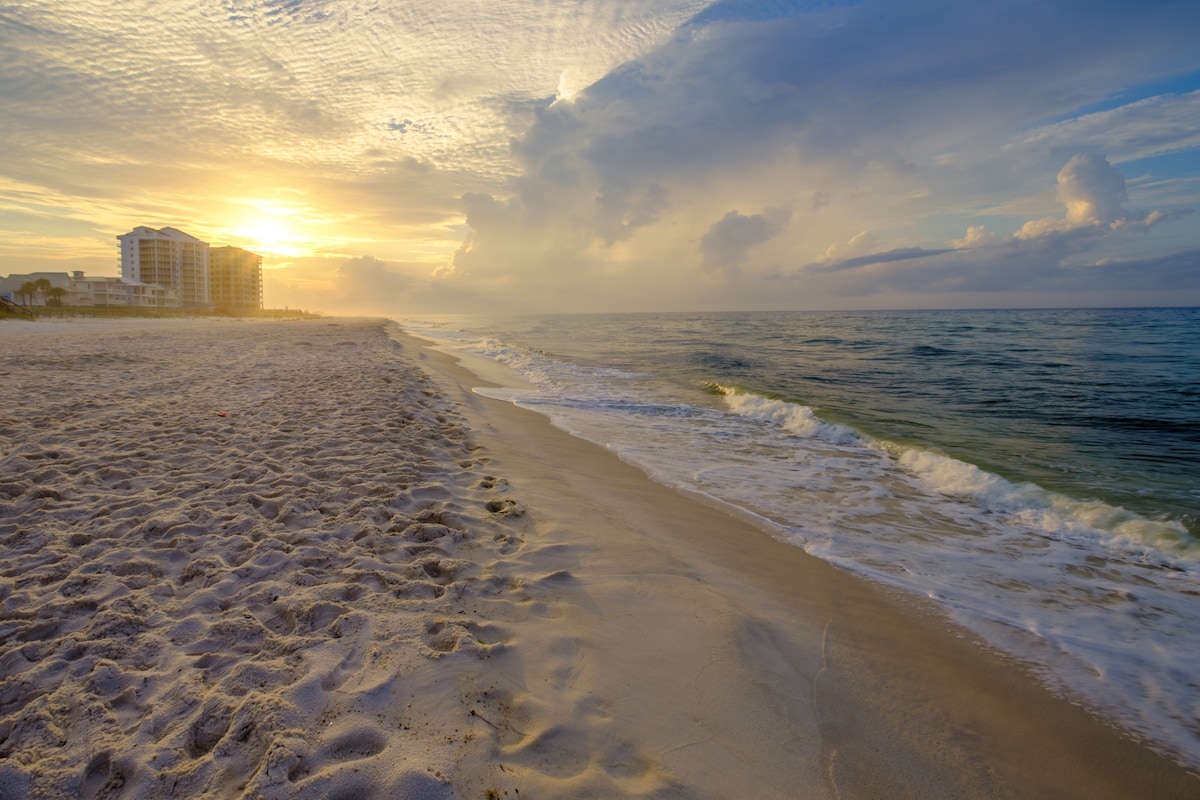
(303, 558)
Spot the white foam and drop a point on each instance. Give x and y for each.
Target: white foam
(792, 417)
(1037, 507)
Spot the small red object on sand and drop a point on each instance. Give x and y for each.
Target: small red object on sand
(220, 413)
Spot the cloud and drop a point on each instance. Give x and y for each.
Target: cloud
(305, 79)
(875, 259)
(368, 280)
(623, 210)
(977, 236)
(1092, 190)
(366, 285)
(861, 244)
(1094, 194)
(1046, 272)
(1144, 128)
(1046, 255)
(749, 11)
(587, 154)
(772, 106)
(163, 113)
(731, 238)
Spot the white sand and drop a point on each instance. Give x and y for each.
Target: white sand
(287, 599)
(338, 589)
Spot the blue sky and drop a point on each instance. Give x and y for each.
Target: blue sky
(513, 156)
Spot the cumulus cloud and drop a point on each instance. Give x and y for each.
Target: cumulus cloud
(1093, 192)
(731, 238)
(977, 236)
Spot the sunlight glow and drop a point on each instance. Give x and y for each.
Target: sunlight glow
(270, 228)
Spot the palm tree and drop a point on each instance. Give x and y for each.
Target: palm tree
(55, 293)
(28, 290)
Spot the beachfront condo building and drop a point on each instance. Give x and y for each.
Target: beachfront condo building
(169, 258)
(234, 279)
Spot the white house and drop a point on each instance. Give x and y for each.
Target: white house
(81, 290)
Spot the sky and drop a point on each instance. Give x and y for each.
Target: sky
(428, 156)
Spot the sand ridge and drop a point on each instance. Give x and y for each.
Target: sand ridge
(243, 559)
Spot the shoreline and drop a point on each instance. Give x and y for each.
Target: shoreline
(908, 705)
(288, 558)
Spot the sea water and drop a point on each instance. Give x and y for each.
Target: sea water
(1036, 473)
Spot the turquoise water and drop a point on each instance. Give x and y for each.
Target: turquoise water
(1036, 473)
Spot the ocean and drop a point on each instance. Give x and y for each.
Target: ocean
(1035, 473)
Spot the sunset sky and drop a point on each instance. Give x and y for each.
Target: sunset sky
(526, 155)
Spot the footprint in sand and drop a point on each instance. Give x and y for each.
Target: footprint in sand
(449, 635)
(102, 779)
(444, 636)
(505, 507)
(357, 743)
(210, 725)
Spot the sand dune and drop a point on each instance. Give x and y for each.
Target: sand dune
(302, 559)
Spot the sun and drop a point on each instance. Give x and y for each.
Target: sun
(269, 234)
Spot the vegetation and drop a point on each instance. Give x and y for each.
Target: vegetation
(10, 309)
(30, 289)
(61, 311)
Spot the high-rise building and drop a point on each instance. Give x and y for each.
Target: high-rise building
(234, 279)
(169, 258)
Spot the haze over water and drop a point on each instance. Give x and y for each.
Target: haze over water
(1035, 473)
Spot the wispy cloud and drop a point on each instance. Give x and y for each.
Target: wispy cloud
(1141, 129)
